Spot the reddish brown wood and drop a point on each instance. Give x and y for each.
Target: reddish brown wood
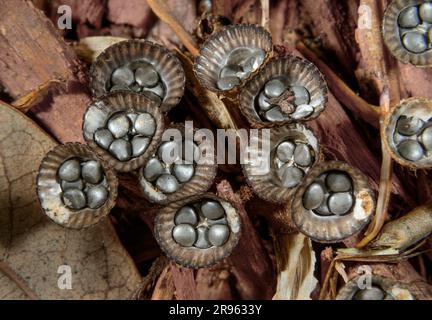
(133, 12)
(184, 282)
(250, 264)
(214, 283)
(31, 54)
(333, 23)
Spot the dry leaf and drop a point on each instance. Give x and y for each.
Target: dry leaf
(296, 266)
(32, 248)
(89, 48)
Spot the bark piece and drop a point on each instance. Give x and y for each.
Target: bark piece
(416, 81)
(333, 22)
(184, 282)
(32, 54)
(31, 51)
(214, 283)
(61, 115)
(284, 18)
(133, 12)
(253, 272)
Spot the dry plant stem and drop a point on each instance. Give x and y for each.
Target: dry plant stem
(328, 290)
(369, 39)
(405, 231)
(385, 181)
(265, 13)
(160, 9)
(340, 89)
(326, 260)
(384, 68)
(11, 274)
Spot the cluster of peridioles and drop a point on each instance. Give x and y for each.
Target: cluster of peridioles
(124, 125)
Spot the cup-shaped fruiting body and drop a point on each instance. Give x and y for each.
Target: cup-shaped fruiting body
(407, 30)
(408, 133)
(75, 187)
(374, 287)
(198, 231)
(142, 67)
(333, 202)
(124, 128)
(292, 152)
(177, 168)
(231, 55)
(288, 89)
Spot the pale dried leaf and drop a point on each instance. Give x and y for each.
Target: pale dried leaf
(89, 48)
(340, 268)
(296, 266)
(32, 247)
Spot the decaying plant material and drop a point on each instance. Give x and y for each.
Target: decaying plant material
(405, 231)
(44, 88)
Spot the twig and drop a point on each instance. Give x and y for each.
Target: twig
(341, 90)
(13, 276)
(384, 189)
(331, 275)
(265, 13)
(390, 95)
(162, 11)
